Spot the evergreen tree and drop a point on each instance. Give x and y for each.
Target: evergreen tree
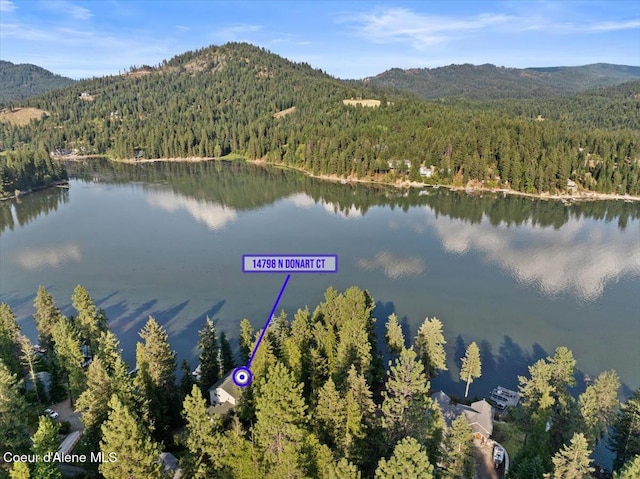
(625, 436)
(457, 458)
(9, 344)
(631, 470)
(90, 321)
(406, 399)
(20, 470)
(156, 363)
(124, 435)
(598, 404)
(409, 459)
(186, 381)
(572, 461)
(14, 426)
(204, 454)
(471, 366)
(281, 417)
(67, 347)
(430, 346)
(330, 416)
(45, 441)
(246, 340)
(30, 360)
(46, 316)
(343, 469)
(208, 345)
(394, 336)
(362, 430)
(93, 403)
(228, 362)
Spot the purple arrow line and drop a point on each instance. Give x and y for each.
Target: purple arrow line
(266, 325)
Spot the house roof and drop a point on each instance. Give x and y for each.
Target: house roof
(479, 414)
(220, 409)
(226, 384)
(480, 417)
(449, 410)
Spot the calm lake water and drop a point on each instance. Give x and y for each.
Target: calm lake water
(519, 276)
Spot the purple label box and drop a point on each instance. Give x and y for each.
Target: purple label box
(290, 263)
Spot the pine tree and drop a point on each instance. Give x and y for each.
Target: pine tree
(330, 416)
(430, 346)
(362, 430)
(9, 343)
(46, 316)
(572, 461)
(90, 321)
(20, 470)
(204, 455)
(631, 470)
(93, 403)
(67, 347)
(30, 360)
(124, 435)
(457, 458)
(45, 441)
(281, 416)
(471, 366)
(394, 336)
(228, 362)
(208, 345)
(625, 436)
(14, 425)
(186, 381)
(406, 399)
(343, 469)
(598, 404)
(246, 340)
(409, 459)
(156, 363)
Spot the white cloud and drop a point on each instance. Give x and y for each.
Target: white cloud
(67, 8)
(302, 200)
(238, 32)
(214, 215)
(403, 25)
(575, 259)
(7, 6)
(393, 265)
(51, 257)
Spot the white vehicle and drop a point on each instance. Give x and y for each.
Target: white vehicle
(498, 455)
(51, 413)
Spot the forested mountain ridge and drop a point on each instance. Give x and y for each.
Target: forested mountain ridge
(21, 81)
(490, 82)
(240, 98)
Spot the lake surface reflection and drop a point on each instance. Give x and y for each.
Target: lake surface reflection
(517, 275)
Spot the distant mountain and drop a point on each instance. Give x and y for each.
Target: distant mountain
(489, 82)
(243, 101)
(18, 82)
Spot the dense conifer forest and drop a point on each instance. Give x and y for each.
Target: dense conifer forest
(242, 99)
(18, 82)
(321, 404)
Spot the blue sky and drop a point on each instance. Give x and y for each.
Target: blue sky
(348, 39)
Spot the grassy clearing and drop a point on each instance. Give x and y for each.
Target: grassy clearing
(509, 435)
(21, 116)
(370, 102)
(232, 156)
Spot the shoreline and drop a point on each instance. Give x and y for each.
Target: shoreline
(581, 196)
(21, 193)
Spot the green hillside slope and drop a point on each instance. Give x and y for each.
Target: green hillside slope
(18, 82)
(243, 99)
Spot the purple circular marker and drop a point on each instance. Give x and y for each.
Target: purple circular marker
(242, 376)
